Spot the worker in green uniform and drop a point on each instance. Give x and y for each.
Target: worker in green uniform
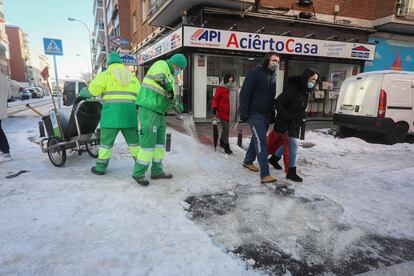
(157, 94)
(119, 89)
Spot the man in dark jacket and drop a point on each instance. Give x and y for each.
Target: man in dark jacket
(290, 107)
(257, 106)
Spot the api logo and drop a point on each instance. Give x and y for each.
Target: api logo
(360, 52)
(206, 35)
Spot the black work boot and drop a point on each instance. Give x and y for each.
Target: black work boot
(95, 171)
(293, 176)
(162, 175)
(141, 180)
(227, 149)
(273, 160)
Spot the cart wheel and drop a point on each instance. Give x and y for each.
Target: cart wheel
(93, 149)
(57, 155)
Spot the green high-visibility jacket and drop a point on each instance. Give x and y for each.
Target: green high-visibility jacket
(119, 89)
(158, 82)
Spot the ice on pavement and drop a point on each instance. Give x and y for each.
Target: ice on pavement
(67, 221)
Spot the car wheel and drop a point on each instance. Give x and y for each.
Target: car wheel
(397, 134)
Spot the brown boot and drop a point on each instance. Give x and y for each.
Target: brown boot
(251, 167)
(268, 179)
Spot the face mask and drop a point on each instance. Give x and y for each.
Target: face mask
(273, 67)
(311, 85)
(177, 72)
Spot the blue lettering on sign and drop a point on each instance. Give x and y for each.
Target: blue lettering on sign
(210, 36)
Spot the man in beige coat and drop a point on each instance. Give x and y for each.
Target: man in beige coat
(4, 93)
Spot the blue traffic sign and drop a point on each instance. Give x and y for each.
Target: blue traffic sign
(53, 46)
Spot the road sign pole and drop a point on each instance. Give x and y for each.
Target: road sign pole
(57, 82)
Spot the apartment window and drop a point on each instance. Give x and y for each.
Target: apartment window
(134, 23)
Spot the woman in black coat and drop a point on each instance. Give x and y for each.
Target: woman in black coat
(290, 108)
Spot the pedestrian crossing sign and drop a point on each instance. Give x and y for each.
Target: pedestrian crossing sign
(53, 46)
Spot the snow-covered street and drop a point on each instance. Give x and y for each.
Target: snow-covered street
(67, 221)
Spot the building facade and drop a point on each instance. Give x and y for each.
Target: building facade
(20, 57)
(112, 25)
(338, 38)
(4, 45)
(394, 38)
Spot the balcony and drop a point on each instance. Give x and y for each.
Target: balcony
(100, 53)
(401, 22)
(99, 31)
(98, 9)
(165, 12)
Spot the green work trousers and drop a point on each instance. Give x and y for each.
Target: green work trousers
(152, 142)
(107, 139)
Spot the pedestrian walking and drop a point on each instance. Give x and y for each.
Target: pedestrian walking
(4, 93)
(119, 89)
(156, 96)
(221, 109)
(257, 107)
(290, 107)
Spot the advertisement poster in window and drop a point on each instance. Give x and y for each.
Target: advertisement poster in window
(337, 78)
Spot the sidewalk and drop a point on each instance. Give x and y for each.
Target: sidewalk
(204, 130)
(20, 106)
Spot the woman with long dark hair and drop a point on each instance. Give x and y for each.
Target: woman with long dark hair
(290, 108)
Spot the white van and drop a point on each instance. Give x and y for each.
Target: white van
(379, 101)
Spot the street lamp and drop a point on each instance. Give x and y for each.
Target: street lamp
(90, 39)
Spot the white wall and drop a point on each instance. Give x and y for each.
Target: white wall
(279, 81)
(200, 87)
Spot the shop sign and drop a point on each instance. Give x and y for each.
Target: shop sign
(128, 59)
(242, 41)
(169, 43)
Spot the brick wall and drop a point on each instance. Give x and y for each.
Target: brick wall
(17, 70)
(143, 29)
(124, 19)
(384, 8)
(361, 9)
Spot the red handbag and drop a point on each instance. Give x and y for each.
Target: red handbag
(274, 141)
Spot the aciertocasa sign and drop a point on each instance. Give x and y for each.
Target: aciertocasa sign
(230, 40)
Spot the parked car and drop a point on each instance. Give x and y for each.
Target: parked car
(380, 101)
(33, 92)
(39, 92)
(71, 89)
(25, 94)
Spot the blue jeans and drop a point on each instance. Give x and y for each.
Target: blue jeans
(258, 146)
(293, 149)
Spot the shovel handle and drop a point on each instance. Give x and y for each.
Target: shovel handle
(34, 110)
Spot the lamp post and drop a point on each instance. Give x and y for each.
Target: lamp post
(90, 39)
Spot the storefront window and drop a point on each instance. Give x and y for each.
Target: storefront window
(218, 66)
(322, 102)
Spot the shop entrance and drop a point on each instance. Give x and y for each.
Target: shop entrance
(218, 66)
